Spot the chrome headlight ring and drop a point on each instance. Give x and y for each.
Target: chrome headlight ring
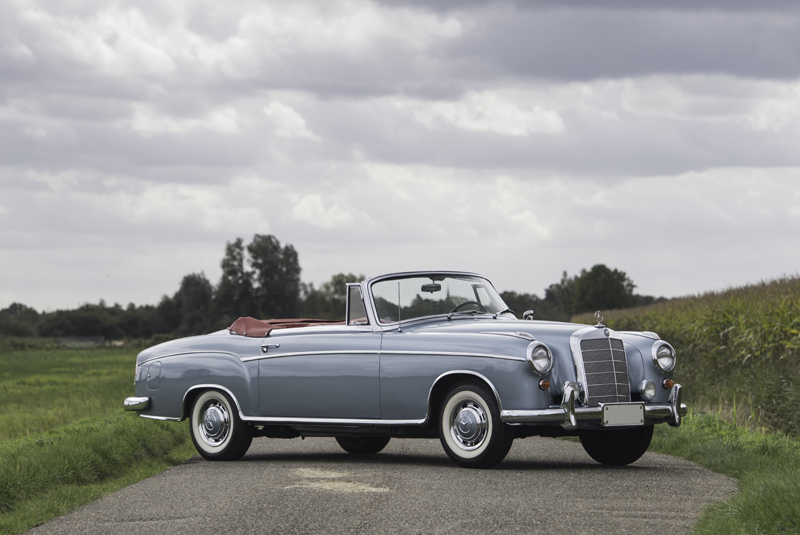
(539, 358)
(663, 356)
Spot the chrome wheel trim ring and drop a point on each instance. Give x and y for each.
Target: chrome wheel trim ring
(214, 424)
(468, 425)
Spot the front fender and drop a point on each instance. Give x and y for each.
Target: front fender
(183, 373)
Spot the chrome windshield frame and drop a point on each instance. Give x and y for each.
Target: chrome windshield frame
(372, 310)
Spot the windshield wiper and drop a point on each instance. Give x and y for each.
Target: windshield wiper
(465, 312)
(503, 312)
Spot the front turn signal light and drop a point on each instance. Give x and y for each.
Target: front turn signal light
(544, 384)
(668, 383)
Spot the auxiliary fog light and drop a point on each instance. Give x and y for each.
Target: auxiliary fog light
(647, 389)
(668, 383)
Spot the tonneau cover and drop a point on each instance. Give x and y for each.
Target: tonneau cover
(254, 328)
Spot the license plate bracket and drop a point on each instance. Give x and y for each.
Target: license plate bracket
(620, 414)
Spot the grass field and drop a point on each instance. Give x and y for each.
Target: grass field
(64, 440)
(46, 389)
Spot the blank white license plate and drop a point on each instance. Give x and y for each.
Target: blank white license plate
(628, 414)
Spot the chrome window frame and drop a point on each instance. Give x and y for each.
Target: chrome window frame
(348, 308)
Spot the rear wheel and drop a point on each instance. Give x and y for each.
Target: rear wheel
(362, 445)
(217, 431)
(616, 447)
(470, 429)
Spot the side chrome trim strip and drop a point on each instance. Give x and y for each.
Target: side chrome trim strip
(376, 352)
(308, 353)
(187, 353)
(328, 421)
(524, 336)
(454, 354)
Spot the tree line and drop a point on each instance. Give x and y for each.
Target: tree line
(262, 279)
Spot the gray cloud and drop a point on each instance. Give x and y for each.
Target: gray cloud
(515, 139)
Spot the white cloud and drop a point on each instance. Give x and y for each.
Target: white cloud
(148, 121)
(288, 123)
(486, 112)
(311, 209)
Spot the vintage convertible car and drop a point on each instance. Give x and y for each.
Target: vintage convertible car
(419, 354)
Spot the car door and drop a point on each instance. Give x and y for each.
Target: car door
(330, 374)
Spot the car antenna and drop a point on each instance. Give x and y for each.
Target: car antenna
(399, 329)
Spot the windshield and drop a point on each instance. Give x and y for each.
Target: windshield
(435, 294)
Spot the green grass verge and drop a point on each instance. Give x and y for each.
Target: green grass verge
(766, 465)
(60, 470)
(43, 389)
(64, 440)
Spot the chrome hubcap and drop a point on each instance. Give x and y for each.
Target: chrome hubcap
(468, 426)
(215, 424)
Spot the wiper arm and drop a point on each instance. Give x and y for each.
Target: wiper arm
(465, 312)
(503, 312)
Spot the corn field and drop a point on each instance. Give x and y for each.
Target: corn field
(738, 350)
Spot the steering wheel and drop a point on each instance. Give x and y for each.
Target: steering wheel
(465, 303)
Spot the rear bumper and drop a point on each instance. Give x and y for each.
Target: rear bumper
(568, 415)
(136, 404)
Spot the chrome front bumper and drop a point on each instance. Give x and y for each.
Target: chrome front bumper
(136, 404)
(568, 415)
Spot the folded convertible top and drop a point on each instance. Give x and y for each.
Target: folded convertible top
(254, 328)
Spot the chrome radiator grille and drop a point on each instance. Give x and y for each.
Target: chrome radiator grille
(606, 370)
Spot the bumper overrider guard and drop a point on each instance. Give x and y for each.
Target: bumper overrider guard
(568, 415)
(136, 404)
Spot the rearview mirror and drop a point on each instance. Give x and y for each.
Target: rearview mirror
(431, 288)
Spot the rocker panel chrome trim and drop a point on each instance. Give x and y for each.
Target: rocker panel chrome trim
(329, 421)
(165, 418)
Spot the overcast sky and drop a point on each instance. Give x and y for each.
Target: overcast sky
(515, 139)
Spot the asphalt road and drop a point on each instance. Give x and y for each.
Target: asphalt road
(312, 486)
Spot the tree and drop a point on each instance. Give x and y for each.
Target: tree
(559, 298)
(234, 294)
(276, 276)
(602, 288)
(193, 301)
(330, 300)
(18, 320)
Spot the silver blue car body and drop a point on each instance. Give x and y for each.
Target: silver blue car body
(394, 369)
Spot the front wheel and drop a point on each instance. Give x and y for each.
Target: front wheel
(217, 431)
(362, 445)
(616, 447)
(470, 429)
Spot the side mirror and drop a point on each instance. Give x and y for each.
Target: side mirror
(528, 315)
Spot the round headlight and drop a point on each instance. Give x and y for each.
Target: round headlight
(539, 358)
(647, 389)
(664, 356)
